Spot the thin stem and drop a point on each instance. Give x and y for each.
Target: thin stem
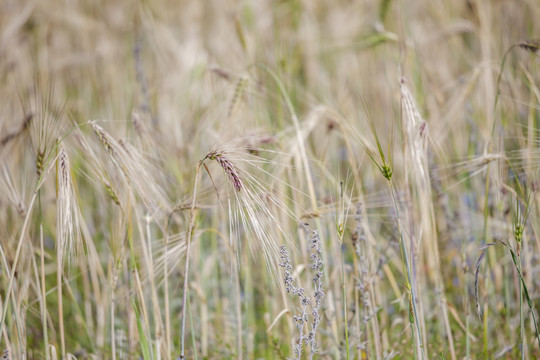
(43, 296)
(466, 302)
(59, 251)
(238, 311)
(166, 293)
(16, 260)
(193, 343)
(186, 269)
(49, 160)
(405, 257)
(344, 301)
(299, 135)
(113, 334)
(358, 314)
(521, 318)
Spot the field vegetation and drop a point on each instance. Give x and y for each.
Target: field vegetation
(285, 179)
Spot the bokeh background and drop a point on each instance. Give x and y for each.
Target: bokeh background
(108, 107)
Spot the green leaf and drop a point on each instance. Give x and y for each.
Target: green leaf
(145, 347)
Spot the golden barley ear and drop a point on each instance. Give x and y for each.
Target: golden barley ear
(103, 137)
(68, 214)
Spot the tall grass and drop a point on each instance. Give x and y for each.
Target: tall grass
(160, 161)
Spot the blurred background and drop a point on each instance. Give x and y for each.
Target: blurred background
(304, 101)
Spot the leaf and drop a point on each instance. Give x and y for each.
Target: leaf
(142, 336)
(478, 263)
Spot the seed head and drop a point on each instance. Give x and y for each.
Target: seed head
(386, 171)
(531, 46)
(103, 137)
(228, 167)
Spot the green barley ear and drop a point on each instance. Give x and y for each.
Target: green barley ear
(519, 225)
(112, 193)
(518, 232)
(40, 162)
(45, 120)
(240, 33)
(340, 226)
(344, 205)
(386, 172)
(384, 166)
(521, 214)
(411, 305)
(241, 86)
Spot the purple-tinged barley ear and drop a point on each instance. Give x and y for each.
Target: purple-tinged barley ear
(140, 127)
(228, 167)
(63, 167)
(221, 73)
(138, 123)
(531, 46)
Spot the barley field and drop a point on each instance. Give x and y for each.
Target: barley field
(286, 179)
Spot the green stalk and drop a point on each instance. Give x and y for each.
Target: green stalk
(43, 296)
(521, 319)
(466, 301)
(145, 346)
(486, 216)
(405, 257)
(525, 291)
(191, 322)
(22, 234)
(16, 261)
(59, 284)
(344, 301)
(186, 270)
